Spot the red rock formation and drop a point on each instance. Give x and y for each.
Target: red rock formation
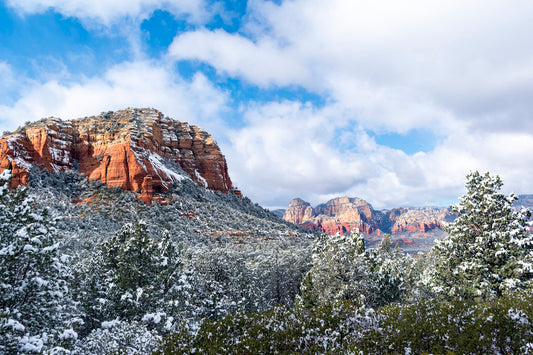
(340, 215)
(299, 212)
(131, 148)
(420, 220)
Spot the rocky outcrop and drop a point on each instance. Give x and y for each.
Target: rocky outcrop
(298, 212)
(341, 215)
(413, 228)
(136, 149)
(422, 219)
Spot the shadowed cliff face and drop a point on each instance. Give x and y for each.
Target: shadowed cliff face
(131, 148)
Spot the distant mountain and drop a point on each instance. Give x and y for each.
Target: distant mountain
(140, 150)
(414, 229)
(525, 201)
(279, 212)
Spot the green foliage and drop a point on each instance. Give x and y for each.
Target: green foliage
(324, 329)
(131, 276)
(502, 326)
(497, 326)
(119, 337)
(344, 270)
(487, 250)
(36, 311)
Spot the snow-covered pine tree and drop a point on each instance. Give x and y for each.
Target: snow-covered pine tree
(392, 271)
(36, 310)
(344, 269)
(487, 250)
(133, 277)
(340, 270)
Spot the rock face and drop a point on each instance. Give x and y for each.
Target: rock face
(413, 228)
(341, 215)
(136, 149)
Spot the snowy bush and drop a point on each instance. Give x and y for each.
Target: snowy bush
(119, 337)
(131, 276)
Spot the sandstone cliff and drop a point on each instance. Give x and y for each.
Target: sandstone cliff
(136, 149)
(341, 215)
(412, 228)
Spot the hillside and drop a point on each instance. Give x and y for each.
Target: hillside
(92, 262)
(155, 181)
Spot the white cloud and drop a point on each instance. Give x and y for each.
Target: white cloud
(292, 150)
(7, 79)
(109, 12)
(262, 63)
(452, 56)
(131, 84)
(460, 69)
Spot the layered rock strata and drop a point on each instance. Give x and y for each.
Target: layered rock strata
(340, 215)
(136, 149)
(343, 214)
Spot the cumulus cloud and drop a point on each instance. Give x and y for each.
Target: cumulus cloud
(262, 63)
(7, 79)
(138, 84)
(289, 149)
(459, 69)
(449, 56)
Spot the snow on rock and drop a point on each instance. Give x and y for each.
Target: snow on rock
(118, 148)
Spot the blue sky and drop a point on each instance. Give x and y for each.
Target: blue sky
(391, 103)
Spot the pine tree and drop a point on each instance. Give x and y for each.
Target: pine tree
(488, 250)
(36, 311)
(132, 277)
(340, 270)
(392, 271)
(343, 269)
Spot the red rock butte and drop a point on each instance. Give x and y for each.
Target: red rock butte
(139, 150)
(339, 215)
(343, 215)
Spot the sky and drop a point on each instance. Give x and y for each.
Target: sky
(392, 101)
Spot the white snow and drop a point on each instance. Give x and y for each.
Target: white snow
(110, 324)
(68, 334)
(153, 317)
(159, 166)
(200, 178)
(15, 325)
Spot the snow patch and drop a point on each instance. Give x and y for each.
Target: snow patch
(200, 178)
(110, 324)
(68, 334)
(15, 325)
(159, 166)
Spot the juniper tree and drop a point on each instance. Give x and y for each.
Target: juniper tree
(36, 310)
(488, 249)
(392, 270)
(343, 269)
(132, 277)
